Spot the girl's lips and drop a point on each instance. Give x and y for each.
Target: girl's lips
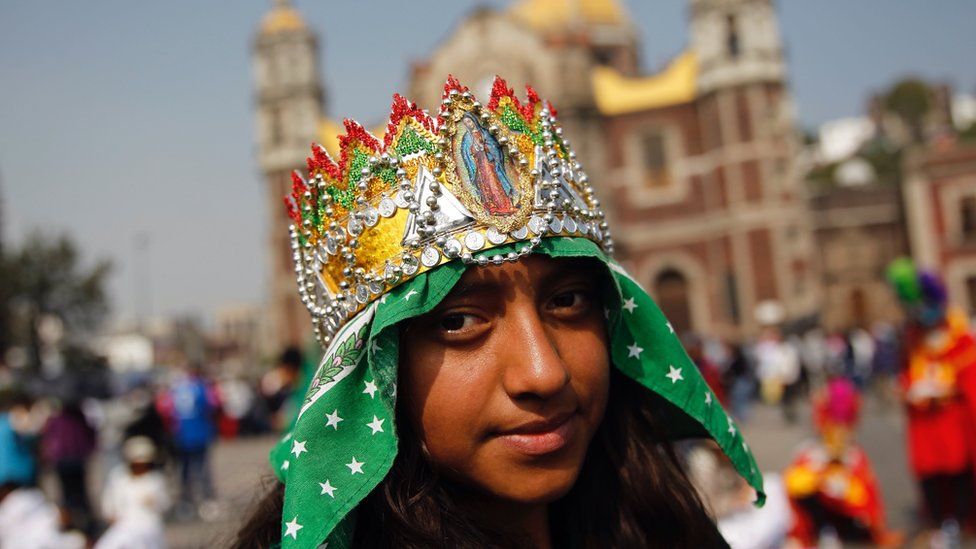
(542, 438)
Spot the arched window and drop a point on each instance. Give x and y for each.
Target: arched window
(655, 156)
(671, 289)
(731, 36)
(967, 218)
(859, 308)
(276, 130)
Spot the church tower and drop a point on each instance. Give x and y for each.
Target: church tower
(289, 106)
(747, 128)
(737, 42)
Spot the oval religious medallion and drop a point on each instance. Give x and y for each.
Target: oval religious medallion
(482, 171)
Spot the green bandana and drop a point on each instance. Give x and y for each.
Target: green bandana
(344, 440)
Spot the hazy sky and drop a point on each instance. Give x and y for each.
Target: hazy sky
(120, 118)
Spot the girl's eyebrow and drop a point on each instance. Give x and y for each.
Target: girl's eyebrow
(570, 270)
(467, 289)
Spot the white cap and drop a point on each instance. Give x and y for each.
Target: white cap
(139, 450)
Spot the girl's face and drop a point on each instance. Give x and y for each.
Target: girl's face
(506, 380)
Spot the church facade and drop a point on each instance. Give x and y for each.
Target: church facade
(695, 163)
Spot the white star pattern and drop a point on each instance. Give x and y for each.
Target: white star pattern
(298, 447)
(629, 305)
(293, 527)
(670, 327)
(383, 299)
(376, 425)
(633, 351)
(708, 398)
(674, 374)
(284, 465)
(373, 346)
(410, 294)
(370, 389)
(327, 488)
(355, 466)
(731, 427)
(333, 420)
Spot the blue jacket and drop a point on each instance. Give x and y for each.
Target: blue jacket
(17, 463)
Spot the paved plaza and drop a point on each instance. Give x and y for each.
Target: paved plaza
(240, 468)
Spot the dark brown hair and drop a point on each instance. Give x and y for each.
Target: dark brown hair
(631, 492)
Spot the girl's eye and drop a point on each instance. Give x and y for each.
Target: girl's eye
(454, 322)
(576, 299)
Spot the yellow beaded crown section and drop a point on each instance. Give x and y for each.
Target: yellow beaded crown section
(434, 190)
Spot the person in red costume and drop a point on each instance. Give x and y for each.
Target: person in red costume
(938, 382)
(831, 485)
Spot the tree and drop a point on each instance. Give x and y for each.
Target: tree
(910, 100)
(44, 282)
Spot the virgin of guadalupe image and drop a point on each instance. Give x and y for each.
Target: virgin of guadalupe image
(485, 167)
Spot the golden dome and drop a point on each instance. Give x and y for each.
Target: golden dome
(553, 14)
(618, 94)
(282, 18)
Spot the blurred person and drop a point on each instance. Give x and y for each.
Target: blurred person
(696, 346)
(18, 440)
(836, 353)
(801, 386)
(146, 421)
(237, 400)
(861, 348)
(813, 355)
(129, 413)
(778, 367)
(939, 387)
(741, 381)
(729, 499)
(831, 485)
(885, 362)
(68, 440)
(135, 499)
(27, 519)
(192, 407)
(278, 384)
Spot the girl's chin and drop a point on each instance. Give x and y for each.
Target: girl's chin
(532, 486)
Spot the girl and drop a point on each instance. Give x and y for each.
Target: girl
(517, 390)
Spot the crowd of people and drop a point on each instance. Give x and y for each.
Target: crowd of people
(150, 443)
(779, 371)
(829, 493)
(153, 438)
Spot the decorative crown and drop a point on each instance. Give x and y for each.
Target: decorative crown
(434, 190)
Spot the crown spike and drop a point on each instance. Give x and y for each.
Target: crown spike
(452, 84)
(298, 186)
(292, 209)
(355, 132)
(400, 109)
(321, 161)
(552, 110)
(532, 103)
(355, 135)
(500, 89)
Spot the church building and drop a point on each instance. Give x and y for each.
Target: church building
(695, 163)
